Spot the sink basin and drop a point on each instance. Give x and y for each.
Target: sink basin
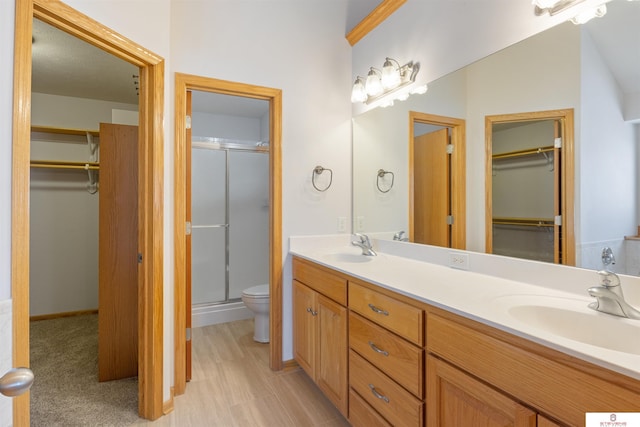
(347, 257)
(571, 318)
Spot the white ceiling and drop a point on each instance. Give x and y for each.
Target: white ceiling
(65, 65)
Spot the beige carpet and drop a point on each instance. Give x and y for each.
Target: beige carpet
(66, 391)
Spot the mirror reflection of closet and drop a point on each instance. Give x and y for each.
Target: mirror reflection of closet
(526, 201)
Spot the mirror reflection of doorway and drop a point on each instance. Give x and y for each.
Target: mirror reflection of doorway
(437, 180)
(530, 186)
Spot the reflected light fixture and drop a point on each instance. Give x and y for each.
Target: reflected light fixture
(379, 84)
(553, 7)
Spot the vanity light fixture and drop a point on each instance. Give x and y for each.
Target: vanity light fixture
(553, 7)
(392, 78)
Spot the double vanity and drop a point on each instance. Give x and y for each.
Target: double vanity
(394, 340)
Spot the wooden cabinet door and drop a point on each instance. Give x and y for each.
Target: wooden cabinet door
(333, 352)
(118, 253)
(305, 312)
(455, 399)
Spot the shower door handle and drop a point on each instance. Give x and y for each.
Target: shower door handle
(16, 382)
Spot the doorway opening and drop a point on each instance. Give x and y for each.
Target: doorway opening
(185, 86)
(437, 198)
(150, 142)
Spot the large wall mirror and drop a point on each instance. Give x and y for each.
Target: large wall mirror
(590, 69)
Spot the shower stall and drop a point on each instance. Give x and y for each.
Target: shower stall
(229, 213)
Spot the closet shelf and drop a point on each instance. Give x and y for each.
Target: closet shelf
(522, 153)
(527, 222)
(53, 164)
(64, 131)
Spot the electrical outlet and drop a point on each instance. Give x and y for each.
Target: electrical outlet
(360, 223)
(459, 260)
(342, 224)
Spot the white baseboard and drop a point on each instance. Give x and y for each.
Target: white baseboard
(219, 313)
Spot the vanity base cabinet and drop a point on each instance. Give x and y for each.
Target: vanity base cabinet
(320, 332)
(456, 399)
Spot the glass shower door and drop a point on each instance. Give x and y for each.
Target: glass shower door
(248, 220)
(209, 226)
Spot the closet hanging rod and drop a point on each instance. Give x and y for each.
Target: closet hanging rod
(64, 131)
(520, 153)
(213, 145)
(528, 222)
(65, 165)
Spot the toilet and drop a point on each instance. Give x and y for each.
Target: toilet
(256, 298)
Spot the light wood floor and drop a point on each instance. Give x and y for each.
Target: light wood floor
(232, 385)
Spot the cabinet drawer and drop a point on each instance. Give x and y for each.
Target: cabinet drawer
(396, 357)
(321, 279)
(397, 316)
(393, 402)
(361, 414)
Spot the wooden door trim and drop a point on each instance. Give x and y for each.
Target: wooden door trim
(184, 82)
(458, 173)
(565, 116)
(150, 178)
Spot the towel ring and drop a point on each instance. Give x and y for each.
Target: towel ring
(318, 171)
(381, 174)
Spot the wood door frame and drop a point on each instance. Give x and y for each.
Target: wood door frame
(150, 179)
(567, 164)
(184, 82)
(458, 173)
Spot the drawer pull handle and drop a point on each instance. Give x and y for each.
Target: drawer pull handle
(378, 350)
(378, 310)
(313, 313)
(378, 395)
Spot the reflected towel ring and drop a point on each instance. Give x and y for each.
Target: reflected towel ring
(318, 171)
(381, 174)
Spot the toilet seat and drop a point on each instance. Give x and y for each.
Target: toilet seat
(259, 291)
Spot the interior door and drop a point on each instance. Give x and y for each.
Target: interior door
(431, 189)
(118, 253)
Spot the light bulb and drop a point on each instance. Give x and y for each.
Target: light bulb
(373, 85)
(358, 93)
(390, 75)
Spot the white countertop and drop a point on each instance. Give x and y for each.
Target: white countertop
(489, 299)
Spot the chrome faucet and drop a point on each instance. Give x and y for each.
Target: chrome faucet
(401, 236)
(609, 297)
(362, 241)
